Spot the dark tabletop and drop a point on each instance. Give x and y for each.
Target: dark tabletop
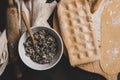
(62, 71)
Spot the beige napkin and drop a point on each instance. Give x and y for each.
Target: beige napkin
(37, 11)
(3, 52)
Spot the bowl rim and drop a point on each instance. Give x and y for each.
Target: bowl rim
(49, 67)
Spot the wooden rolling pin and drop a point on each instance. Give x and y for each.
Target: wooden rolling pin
(13, 35)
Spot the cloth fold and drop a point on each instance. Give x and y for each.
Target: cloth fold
(37, 12)
(3, 52)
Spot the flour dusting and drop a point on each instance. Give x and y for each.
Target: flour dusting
(106, 64)
(115, 51)
(116, 20)
(108, 51)
(110, 12)
(117, 6)
(114, 12)
(110, 41)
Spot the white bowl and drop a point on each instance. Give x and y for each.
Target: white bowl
(27, 59)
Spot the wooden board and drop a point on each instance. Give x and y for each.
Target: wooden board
(91, 67)
(110, 36)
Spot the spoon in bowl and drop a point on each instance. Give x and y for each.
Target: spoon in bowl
(28, 26)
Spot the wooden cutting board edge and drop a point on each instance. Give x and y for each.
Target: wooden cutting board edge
(93, 67)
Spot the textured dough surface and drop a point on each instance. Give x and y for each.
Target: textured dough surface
(110, 47)
(77, 31)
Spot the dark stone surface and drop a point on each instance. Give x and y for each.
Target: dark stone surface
(62, 71)
(2, 14)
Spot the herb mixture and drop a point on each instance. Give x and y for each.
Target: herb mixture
(43, 50)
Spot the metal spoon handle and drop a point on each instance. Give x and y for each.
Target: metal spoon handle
(27, 26)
